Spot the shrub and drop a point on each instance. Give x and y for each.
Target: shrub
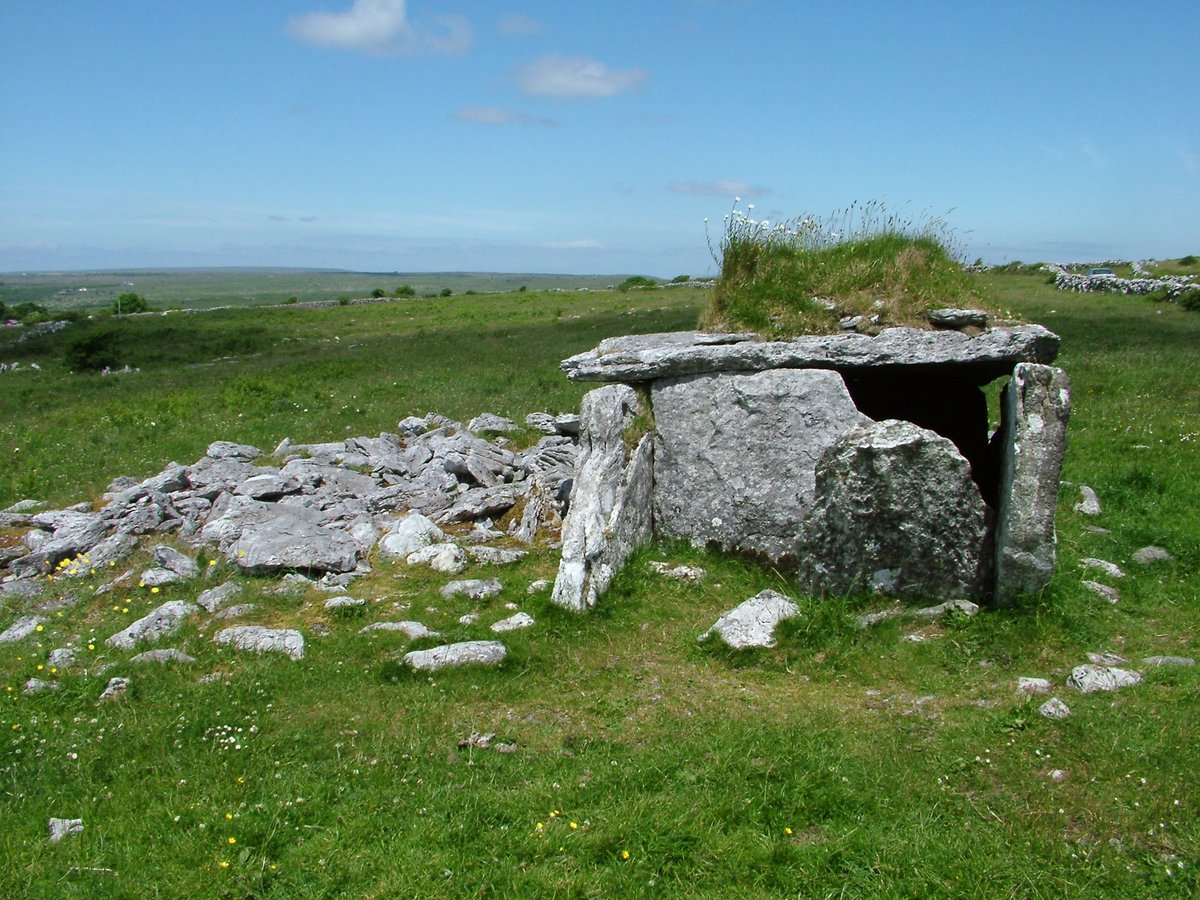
(522, 289)
(93, 351)
(343, 301)
(446, 292)
(637, 283)
(681, 279)
(1189, 260)
(292, 299)
(804, 275)
(405, 290)
(130, 302)
(28, 313)
(1190, 299)
(378, 293)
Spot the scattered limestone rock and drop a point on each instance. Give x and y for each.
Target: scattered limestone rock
(235, 612)
(230, 450)
(536, 587)
(957, 318)
(62, 828)
(40, 686)
(158, 577)
(1089, 503)
(165, 620)
(259, 639)
(170, 558)
(214, 598)
(474, 588)
(408, 535)
(468, 619)
(1089, 678)
(1149, 555)
(411, 630)
(1107, 659)
(513, 623)
(62, 658)
(446, 558)
(114, 690)
(1112, 570)
(753, 623)
(495, 556)
(345, 605)
(1054, 709)
(1057, 775)
(165, 655)
(1031, 686)
(966, 607)
(21, 629)
(1168, 661)
(1104, 591)
(483, 653)
(679, 572)
(491, 422)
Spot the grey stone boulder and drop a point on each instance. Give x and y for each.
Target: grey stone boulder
(236, 612)
(104, 555)
(1150, 555)
(114, 690)
(62, 658)
(40, 686)
(259, 639)
(268, 485)
(496, 556)
(1030, 686)
(157, 577)
(1168, 661)
(735, 455)
(214, 598)
(896, 512)
(1054, 709)
(752, 624)
(163, 656)
(491, 422)
(447, 558)
(230, 450)
(1112, 570)
(1104, 591)
(514, 622)
(1089, 503)
(411, 630)
(466, 653)
(71, 535)
(483, 503)
(474, 588)
(20, 629)
(163, 621)
(610, 512)
(1038, 405)
(63, 828)
(345, 605)
(409, 534)
(273, 537)
(1089, 678)
(957, 318)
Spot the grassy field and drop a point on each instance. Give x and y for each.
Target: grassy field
(207, 288)
(841, 763)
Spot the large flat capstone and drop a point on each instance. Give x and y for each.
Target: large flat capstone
(735, 456)
(988, 355)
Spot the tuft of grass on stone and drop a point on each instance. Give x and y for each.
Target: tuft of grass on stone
(807, 275)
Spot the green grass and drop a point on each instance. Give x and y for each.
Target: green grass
(804, 276)
(840, 763)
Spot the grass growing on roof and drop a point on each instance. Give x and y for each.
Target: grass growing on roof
(805, 275)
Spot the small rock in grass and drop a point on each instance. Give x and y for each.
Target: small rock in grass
(234, 612)
(1054, 709)
(258, 639)
(1148, 555)
(468, 619)
(1089, 678)
(448, 558)
(411, 630)
(474, 588)
(542, 584)
(680, 572)
(61, 658)
(483, 653)
(1058, 775)
(477, 741)
(1104, 591)
(513, 623)
(61, 828)
(491, 422)
(1089, 503)
(1168, 661)
(753, 623)
(1110, 569)
(495, 556)
(1031, 686)
(170, 558)
(40, 686)
(345, 605)
(165, 620)
(157, 577)
(957, 318)
(214, 598)
(966, 607)
(165, 655)
(114, 690)
(20, 629)
(1106, 659)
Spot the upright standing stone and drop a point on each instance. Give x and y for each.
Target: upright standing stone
(610, 512)
(735, 455)
(896, 512)
(1037, 405)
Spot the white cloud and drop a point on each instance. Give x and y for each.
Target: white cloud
(519, 26)
(380, 27)
(495, 115)
(572, 77)
(718, 188)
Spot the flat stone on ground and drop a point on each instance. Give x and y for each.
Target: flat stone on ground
(258, 639)
(482, 653)
(753, 623)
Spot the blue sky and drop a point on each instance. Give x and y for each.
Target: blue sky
(538, 136)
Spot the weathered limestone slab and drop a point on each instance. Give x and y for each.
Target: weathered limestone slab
(479, 653)
(610, 513)
(735, 455)
(163, 621)
(258, 639)
(649, 357)
(753, 623)
(1037, 406)
(896, 512)
(1089, 678)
